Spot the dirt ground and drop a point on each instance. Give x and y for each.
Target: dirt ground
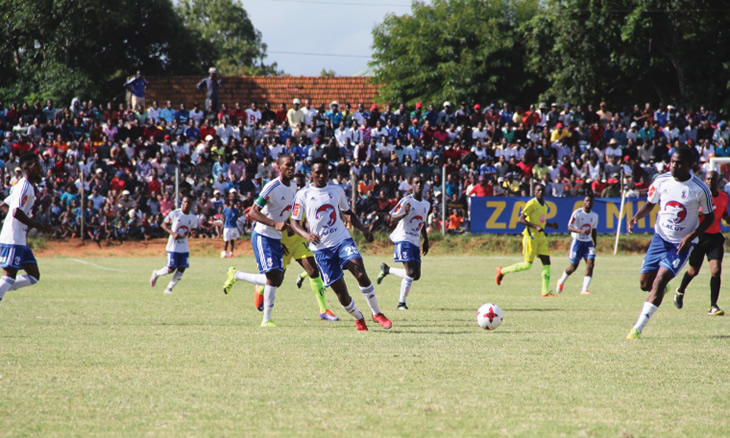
(151, 248)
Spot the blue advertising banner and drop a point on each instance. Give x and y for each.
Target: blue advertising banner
(501, 215)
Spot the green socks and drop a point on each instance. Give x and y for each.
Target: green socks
(545, 279)
(318, 289)
(517, 267)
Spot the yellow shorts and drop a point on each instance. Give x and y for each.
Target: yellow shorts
(534, 246)
(297, 246)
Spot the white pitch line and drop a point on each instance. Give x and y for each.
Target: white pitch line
(95, 265)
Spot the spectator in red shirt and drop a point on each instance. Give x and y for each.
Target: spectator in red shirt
(484, 188)
(525, 166)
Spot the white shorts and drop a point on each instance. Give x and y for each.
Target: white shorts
(230, 234)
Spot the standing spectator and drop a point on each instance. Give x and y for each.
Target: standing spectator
(137, 86)
(295, 115)
(212, 84)
(253, 115)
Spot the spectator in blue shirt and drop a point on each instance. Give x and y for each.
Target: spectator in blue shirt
(334, 115)
(168, 113)
(220, 168)
(182, 115)
(137, 86)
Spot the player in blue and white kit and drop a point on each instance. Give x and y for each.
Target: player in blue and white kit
(178, 224)
(14, 252)
(680, 196)
(271, 213)
(334, 250)
(410, 214)
(582, 226)
(230, 227)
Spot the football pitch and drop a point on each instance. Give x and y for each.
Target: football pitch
(92, 350)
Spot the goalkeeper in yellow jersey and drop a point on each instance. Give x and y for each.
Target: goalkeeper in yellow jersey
(534, 242)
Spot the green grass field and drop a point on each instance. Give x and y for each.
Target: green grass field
(92, 350)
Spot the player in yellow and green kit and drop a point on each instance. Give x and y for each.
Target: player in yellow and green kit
(534, 242)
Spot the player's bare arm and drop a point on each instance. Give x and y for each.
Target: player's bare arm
(24, 219)
(168, 230)
(687, 240)
(425, 245)
(394, 219)
(255, 214)
(523, 220)
(578, 230)
(643, 211)
(296, 225)
(594, 237)
(359, 226)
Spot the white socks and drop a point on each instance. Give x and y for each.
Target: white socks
(405, 288)
(5, 284)
(259, 279)
(563, 278)
(23, 281)
(175, 278)
(162, 271)
(398, 272)
(586, 283)
(269, 297)
(369, 293)
(646, 312)
(352, 310)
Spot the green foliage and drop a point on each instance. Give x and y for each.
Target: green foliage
(62, 48)
(626, 52)
(454, 50)
(327, 73)
(229, 34)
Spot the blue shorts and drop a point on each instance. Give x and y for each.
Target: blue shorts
(15, 256)
(406, 252)
(332, 260)
(267, 251)
(664, 254)
(581, 250)
(177, 260)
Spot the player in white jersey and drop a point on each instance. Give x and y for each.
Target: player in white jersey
(680, 196)
(333, 247)
(410, 214)
(178, 224)
(271, 212)
(14, 252)
(582, 227)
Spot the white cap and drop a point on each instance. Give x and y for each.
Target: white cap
(212, 70)
(99, 170)
(333, 103)
(216, 192)
(295, 101)
(232, 191)
(208, 137)
(447, 103)
(125, 192)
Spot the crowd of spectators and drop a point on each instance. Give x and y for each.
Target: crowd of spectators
(126, 158)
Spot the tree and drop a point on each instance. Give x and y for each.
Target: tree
(626, 52)
(62, 48)
(224, 25)
(327, 73)
(454, 50)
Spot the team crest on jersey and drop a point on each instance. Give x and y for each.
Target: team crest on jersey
(332, 214)
(678, 209)
(183, 231)
(419, 219)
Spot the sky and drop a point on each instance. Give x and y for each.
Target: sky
(305, 36)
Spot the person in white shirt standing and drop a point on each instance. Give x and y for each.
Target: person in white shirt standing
(582, 226)
(271, 213)
(253, 115)
(683, 199)
(323, 205)
(178, 224)
(14, 251)
(410, 214)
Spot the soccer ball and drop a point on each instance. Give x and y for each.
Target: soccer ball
(223, 254)
(489, 316)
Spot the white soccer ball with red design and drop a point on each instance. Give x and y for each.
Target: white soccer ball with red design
(489, 316)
